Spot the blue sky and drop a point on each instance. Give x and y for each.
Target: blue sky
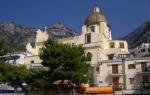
(123, 15)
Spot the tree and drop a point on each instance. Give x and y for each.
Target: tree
(11, 74)
(3, 51)
(14, 75)
(3, 48)
(65, 62)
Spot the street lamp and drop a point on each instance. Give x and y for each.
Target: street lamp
(25, 88)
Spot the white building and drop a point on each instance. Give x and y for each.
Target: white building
(142, 50)
(15, 58)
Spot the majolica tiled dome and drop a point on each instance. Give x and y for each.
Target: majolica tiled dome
(96, 17)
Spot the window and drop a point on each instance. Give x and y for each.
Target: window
(89, 56)
(149, 49)
(112, 45)
(131, 80)
(115, 69)
(32, 61)
(145, 79)
(139, 51)
(133, 53)
(93, 28)
(144, 67)
(88, 38)
(40, 51)
(142, 50)
(111, 56)
(73, 44)
(121, 45)
(97, 69)
(131, 66)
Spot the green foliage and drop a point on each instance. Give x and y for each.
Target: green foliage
(3, 49)
(39, 78)
(13, 75)
(65, 62)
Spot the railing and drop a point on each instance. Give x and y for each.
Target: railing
(115, 72)
(146, 85)
(92, 44)
(139, 70)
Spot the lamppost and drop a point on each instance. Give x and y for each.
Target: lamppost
(139, 86)
(25, 88)
(98, 67)
(73, 90)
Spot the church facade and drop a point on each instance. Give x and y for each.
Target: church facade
(97, 40)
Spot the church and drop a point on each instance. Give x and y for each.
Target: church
(109, 66)
(96, 38)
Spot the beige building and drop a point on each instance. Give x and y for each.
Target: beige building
(32, 60)
(127, 75)
(41, 37)
(97, 40)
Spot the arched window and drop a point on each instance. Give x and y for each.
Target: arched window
(112, 45)
(89, 56)
(88, 38)
(92, 28)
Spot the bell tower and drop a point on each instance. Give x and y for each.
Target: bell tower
(97, 25)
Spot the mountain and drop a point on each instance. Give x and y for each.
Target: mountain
(139, 35)
(17, 36)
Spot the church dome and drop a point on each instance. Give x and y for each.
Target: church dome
(96, 17)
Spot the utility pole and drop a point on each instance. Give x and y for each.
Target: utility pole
(124, 73)
(122, 56)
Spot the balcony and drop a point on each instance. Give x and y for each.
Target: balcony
(146, 85)
(92, 44)
(117, 86)
(143, 72)
(115, 72)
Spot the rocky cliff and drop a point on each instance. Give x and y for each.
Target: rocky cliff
(139, 35)
(17, 36)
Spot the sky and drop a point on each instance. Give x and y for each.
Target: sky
(124, 15)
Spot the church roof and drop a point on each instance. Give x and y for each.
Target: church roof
(96, 17)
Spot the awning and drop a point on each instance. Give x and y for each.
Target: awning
(97, 90)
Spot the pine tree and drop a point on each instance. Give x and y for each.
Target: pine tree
(65, 62)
